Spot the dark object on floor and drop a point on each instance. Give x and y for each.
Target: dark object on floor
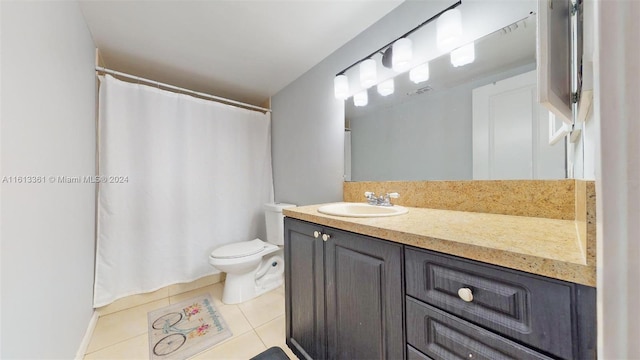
(272, 353)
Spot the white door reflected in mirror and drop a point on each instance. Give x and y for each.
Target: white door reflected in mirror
(510, 133)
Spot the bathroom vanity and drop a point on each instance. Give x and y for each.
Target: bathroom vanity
(437, 284)
(327, 282)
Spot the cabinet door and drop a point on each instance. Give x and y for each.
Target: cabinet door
(304, 289)
(364, 298)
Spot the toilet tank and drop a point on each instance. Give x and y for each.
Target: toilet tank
(275, 222)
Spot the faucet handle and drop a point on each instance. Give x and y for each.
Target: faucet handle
(386, 201)
(371, 198)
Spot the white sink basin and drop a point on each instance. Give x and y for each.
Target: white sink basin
(361, 210)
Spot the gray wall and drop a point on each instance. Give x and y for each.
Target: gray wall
(308, 122)
(48, 129)
(427, 137)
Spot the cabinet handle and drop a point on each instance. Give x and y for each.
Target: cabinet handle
(465, 294)
(326, 237)
(316, 234)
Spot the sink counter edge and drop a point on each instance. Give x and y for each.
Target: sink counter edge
(546, 247)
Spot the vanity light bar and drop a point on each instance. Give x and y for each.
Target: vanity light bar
(368, 73)
(386, 87)
(402, 55)
(449, 30)
(361, 98)
(338, 91)
(341, 87)
(420, 73)
(463, 55)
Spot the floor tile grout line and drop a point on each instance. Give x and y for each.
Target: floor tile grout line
(270, 321)
(261, 340)
(266, 322)
(130, 308)
(117, 343)
(245, 317)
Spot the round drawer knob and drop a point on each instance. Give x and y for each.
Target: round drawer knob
(465, 294)
(326, 237)
(316, 234)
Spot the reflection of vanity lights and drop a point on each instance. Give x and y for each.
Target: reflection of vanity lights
(449, 29)
(463, 55)
(368, 74)
(401, 55)
(420, 73)
(386, 87)
(361, 98)
(341, 87)
(449, 33)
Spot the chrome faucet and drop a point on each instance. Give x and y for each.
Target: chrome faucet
(371, 198)
(380, 200)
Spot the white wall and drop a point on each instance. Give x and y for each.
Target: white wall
(47, 129)
(308, 122)
(616, 108)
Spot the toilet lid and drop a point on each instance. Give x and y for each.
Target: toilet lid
(235, 250)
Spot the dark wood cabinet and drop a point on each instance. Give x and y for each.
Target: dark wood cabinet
(346, 299)
(344, 294)
(363, 277)
(304, 286)
(552, 318)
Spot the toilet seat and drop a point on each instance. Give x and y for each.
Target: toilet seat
(240, 249)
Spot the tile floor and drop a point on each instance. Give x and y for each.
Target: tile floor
(257, 325)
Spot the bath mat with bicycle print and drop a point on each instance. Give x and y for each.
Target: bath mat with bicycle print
(182, 330)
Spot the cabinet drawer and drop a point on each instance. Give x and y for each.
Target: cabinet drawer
(413, 354)
(531, 309)
(443, 336)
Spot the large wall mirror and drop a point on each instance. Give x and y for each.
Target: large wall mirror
(477, 121)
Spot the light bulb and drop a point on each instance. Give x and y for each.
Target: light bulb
(449, 29)
(419, 73)
(386, 87)
(463, 55)
(402, 55)
(361, 98)
(368, 75)
(341, 87)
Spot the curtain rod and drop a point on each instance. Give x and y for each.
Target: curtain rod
(207, 96)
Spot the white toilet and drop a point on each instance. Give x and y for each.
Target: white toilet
(253, 267)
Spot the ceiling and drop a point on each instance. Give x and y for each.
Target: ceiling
(242, 50)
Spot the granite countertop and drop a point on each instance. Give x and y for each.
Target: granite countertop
(547, 247)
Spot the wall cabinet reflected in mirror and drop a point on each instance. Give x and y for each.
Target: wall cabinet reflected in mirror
(479, 121)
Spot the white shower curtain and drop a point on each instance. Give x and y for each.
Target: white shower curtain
(179, 177)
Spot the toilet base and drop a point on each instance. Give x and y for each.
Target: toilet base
(241, 288)
(267, 276)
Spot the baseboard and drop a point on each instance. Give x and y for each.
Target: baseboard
(84, 345)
